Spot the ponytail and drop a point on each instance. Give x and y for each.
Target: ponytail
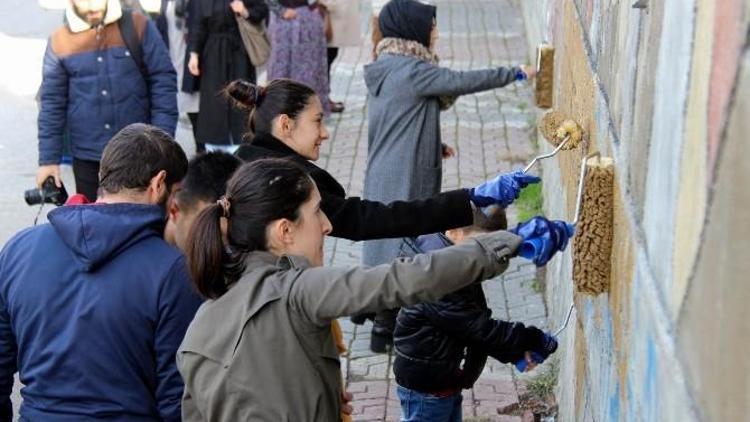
(205, 253)
(257, 194)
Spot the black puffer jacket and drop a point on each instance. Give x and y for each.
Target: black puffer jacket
(431, 339)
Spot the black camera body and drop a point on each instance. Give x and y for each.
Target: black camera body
(48, 193)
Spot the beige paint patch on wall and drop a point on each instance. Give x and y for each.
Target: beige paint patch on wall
(691, 201)
(574, 97)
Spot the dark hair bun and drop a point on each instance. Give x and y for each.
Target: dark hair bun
(244, 94)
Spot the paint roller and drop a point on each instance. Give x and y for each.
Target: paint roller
(561, 131)
(545, 75)
(592, 244)
(593, 224)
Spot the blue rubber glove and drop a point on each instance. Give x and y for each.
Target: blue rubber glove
(502, 190)
(542, 238)
(549, 346)
(521, 75)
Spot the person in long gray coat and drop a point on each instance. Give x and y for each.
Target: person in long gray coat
(407, 90)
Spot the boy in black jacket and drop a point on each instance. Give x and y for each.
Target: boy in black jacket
(431, 339)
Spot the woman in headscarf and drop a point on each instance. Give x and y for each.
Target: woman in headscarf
(407, 90)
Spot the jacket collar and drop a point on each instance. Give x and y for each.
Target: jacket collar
(285, 262)
(270, 142)
(76, 24)
(322, 178)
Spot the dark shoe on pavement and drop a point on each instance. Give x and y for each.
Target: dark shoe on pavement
(336, 106)
(381, 339)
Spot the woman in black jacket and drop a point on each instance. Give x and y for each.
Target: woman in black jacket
(287, 118)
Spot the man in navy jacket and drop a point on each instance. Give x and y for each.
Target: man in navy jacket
(92, 87)
(94, 305)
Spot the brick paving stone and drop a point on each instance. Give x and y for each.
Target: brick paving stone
(492, 132)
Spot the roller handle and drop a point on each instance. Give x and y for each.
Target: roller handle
(543, 156)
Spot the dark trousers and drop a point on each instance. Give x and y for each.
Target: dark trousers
(86, 174)
(199, 146)
(333, 52)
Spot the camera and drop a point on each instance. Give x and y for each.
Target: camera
(48, 193)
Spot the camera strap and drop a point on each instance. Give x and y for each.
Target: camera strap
(39, 212)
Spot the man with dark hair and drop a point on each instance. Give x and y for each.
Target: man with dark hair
(103, 69)
(205, 182)
(94, 305)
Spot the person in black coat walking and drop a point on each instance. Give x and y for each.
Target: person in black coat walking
(218, 55)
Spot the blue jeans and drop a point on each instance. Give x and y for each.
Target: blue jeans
(421, 407)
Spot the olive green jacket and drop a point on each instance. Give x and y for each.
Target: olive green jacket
(264, 351)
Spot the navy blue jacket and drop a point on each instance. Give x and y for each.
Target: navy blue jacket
(432, 339)
(93, 307)
(92, 88)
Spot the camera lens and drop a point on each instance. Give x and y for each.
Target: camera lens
(33, 196)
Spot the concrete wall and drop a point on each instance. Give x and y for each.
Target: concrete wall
(665, 91)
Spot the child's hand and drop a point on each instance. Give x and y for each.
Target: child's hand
(542, 345)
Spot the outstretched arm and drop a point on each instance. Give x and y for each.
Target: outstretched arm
(358, 219)
(323, 293)
(432, 81)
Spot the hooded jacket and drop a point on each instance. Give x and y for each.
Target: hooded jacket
(93, 307)
(92, 87)
(432, 339)
(404, 159)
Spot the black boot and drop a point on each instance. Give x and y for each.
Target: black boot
(360, 319)
(381, 337)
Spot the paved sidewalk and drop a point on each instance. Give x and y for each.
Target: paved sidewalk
(492, 132)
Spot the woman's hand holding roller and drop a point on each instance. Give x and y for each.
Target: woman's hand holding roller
(542, 238)
(502, 190)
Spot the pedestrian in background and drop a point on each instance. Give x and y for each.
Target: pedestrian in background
(218, 56)
(407, 90)
(344, 30)
(100, 74)
(174, 23)
(94, 304)
(298, 45)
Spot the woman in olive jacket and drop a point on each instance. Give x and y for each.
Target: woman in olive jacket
(260, 348)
